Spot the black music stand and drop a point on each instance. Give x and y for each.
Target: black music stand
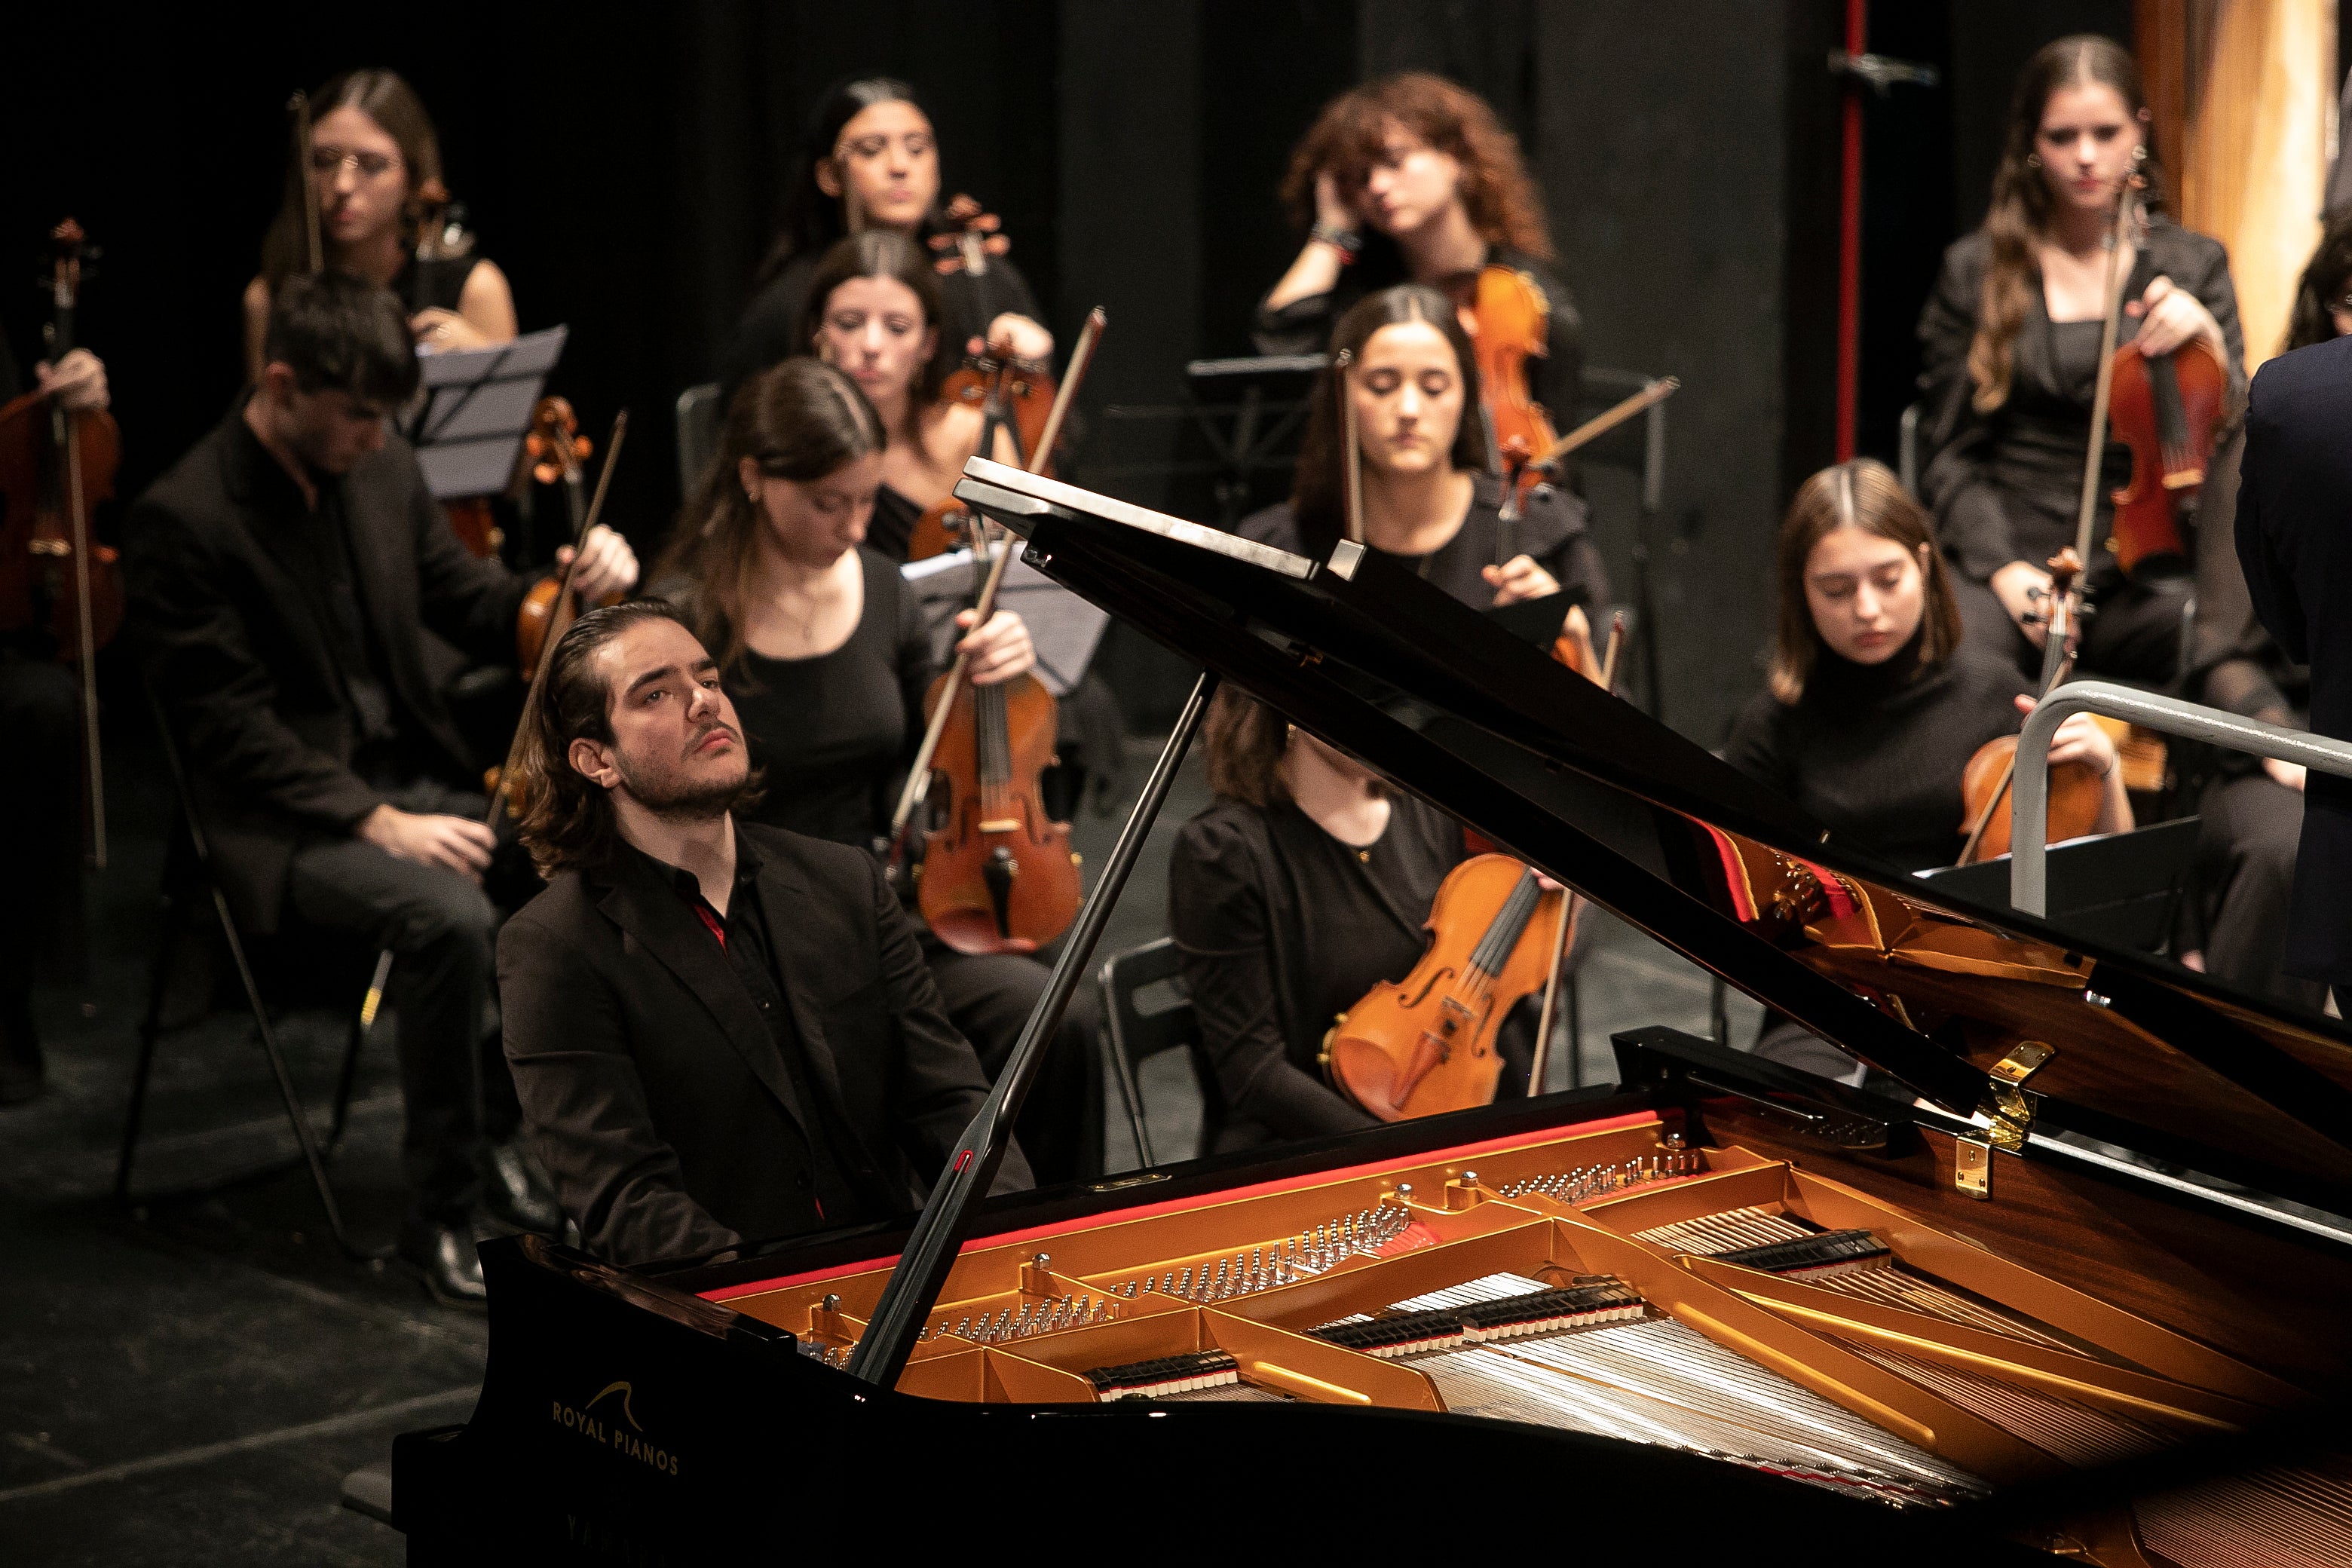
(478, 404)
(1251, 411)
(2120, 889)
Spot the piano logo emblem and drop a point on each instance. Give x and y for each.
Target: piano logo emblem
(602, 1430)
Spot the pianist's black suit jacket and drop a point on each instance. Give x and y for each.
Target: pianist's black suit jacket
(649, 1081)
(2294, 540)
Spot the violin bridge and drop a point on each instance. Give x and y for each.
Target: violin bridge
(1000, 825)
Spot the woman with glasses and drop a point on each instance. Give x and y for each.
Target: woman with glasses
(872, 161)
(375, 165)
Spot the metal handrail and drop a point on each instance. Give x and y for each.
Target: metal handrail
(2029, 871)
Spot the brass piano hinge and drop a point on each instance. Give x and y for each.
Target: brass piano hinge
(2008, 1113)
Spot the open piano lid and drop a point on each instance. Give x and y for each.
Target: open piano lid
(1992, 1016)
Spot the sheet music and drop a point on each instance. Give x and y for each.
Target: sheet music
(476, 410)
(1065, 629)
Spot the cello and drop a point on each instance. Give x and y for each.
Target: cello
(57, 581)
(997, 873)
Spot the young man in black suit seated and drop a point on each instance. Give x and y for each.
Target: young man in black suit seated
(720, 1032)
(279, 574)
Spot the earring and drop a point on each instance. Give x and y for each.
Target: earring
(2033, 160)
(2139, 153)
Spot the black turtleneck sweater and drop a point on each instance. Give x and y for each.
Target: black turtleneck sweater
(1876, 751)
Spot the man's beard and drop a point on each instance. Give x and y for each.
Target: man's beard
(679, 799)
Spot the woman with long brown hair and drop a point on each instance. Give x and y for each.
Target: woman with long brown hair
(2011, 346)
(1428, 501)
(1876, 703)
(1411, 179)
(375, 165)
(1304, 885)
(874, 311)
(824, 652)
(871, 161)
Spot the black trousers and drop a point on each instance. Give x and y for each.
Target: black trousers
(2133, 632)
(989, 998)
(442, 930)
(2247, 832)
(40, 800)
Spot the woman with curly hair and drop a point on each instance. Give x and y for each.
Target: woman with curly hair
(1411, 179)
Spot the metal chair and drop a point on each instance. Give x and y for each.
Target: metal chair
(698, 434)
(176, 921)
(1148, 1009)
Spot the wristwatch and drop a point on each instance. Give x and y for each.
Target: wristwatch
(1346, 241)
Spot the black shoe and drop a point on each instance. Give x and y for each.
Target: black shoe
(444, 1257)
(516, 1194)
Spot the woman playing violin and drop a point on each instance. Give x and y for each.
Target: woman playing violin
(375, 163)
(874, 311)
(1304, 885)
(1874, 704)
(1427, 500)
(1411, 179)
(871, 161)
(2011, 343)
(824, 652)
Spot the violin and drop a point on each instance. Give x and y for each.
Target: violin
(2077, 791)
(978, 235)
(2166, 409)
(1015, 395)
(57, 581)
(1426, 1045)
(557, 450)
(997, 873)
(1510, 321)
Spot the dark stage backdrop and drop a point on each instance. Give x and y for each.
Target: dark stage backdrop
(623, 164)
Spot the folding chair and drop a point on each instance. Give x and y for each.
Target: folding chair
(698, 434)
(1147, 1009)
(177, 919)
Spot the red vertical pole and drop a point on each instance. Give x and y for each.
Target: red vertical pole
(1849, 364)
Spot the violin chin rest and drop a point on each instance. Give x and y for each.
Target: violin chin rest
(974, 930)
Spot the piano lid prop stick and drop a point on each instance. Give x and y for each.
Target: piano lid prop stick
(930, 1250)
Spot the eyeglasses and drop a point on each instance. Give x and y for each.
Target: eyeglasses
(371, 165)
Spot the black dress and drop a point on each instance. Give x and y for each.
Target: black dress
(2005, 486)
(1556, 380)
(770, 330)
(1283, 928)
(1875, 753)
(835, 735)
(1552, 529)
(434, 283)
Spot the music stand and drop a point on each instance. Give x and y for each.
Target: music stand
(1250, 411)
(1064, 629)
(2119, 887)
(476, 410)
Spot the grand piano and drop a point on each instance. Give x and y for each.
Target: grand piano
(2078, 1287)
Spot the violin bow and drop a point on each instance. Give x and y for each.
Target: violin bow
(299, 106)
(1351, 457)
(2094, 454)
(1566, 929)
(919, 772)
(1601, 424)
(563, 587)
